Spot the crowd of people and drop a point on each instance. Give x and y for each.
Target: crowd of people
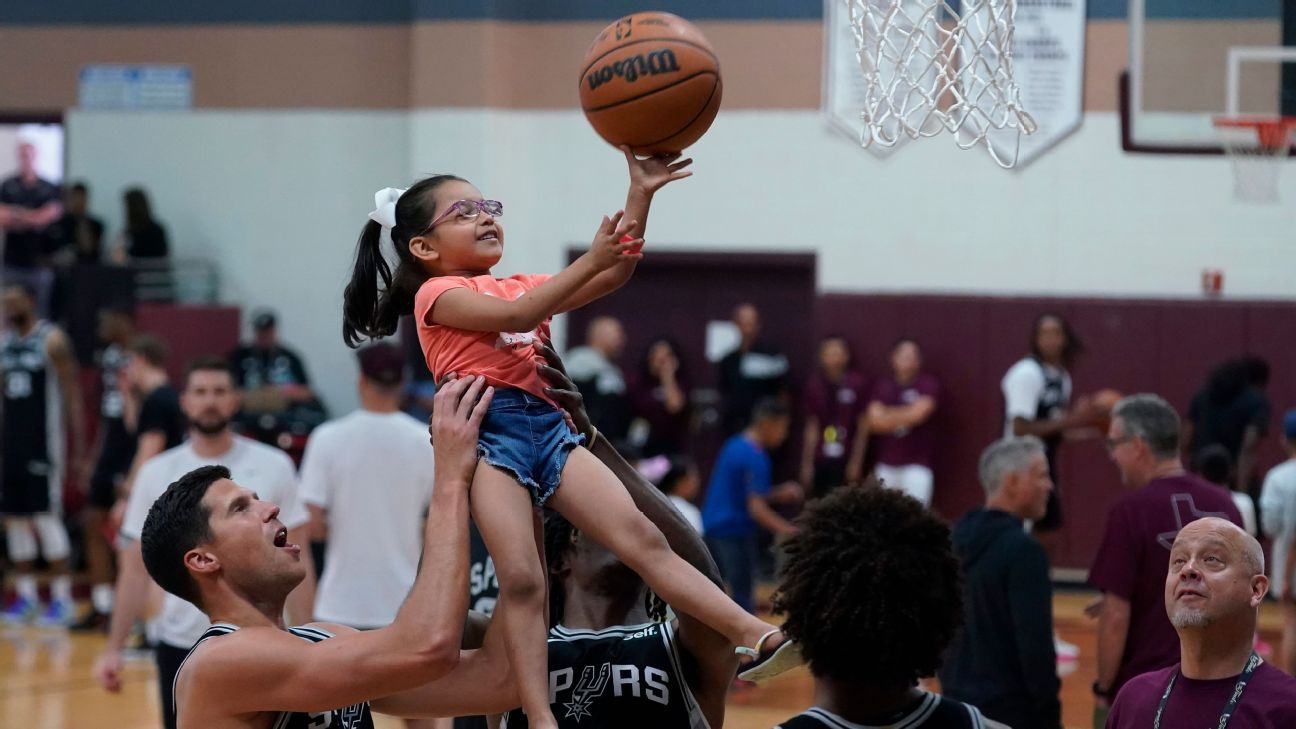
(643, 577)
(47, 229)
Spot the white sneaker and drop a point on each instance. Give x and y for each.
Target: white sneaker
(1065, 651)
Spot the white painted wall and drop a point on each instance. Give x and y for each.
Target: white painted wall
(276, 199)
(279, 197)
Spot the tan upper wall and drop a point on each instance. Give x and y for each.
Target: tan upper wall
(766, 64)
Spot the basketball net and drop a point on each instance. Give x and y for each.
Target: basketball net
(929, 68)
(1257, 147)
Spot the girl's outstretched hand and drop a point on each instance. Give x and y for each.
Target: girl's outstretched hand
(608, 248)
(649, 174)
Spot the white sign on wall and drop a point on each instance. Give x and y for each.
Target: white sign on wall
(1048, 66)
(845, 90)
(136, 87)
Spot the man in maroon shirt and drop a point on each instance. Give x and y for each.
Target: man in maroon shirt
(1212, 595)
(1134, 634)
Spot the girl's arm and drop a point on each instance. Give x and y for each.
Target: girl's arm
(467, 309)
(647, 176)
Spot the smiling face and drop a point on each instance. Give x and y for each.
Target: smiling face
(459, 244)
(249, 545)
(1216, 575)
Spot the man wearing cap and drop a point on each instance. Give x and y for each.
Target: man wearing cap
(367, 481)
(267, 370)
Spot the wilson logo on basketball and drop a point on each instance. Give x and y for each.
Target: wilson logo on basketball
(631, 69)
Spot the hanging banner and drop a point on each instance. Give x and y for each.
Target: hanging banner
(1048, 66)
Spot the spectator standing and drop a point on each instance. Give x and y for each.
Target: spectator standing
(899, 413)
(594, 369)
(31, 205)
(1278, 517)
(832, 446)
(1232, 410)
(753, 371)
(659, 400)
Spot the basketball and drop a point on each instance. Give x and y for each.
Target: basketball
(650, 81)
(1105, 400)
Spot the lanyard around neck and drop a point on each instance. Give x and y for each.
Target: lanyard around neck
(1252, 663)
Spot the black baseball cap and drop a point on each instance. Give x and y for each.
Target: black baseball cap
(382, 363)
(263, 319)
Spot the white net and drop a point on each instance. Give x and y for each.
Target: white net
(1257, 148)
(931, 66)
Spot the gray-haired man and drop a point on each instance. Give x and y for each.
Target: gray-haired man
(1004, 662)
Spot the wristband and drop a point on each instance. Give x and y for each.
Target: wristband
(593, 437)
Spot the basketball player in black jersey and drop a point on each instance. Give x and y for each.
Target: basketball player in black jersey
(871, 591)
(615, 661)
(215, 544)
(42, 435)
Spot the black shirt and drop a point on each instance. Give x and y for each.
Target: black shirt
(1003, 661)
(148, 242)
(624, 677)
(254, 367)
(24, 248)
(160, 413)
(355, 716)
(931, 712)
(1226, 423)
(66, 232)
(746, 378)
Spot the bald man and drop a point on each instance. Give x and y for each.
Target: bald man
(1213, 592)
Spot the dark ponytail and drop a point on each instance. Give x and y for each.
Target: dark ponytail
(377, 297)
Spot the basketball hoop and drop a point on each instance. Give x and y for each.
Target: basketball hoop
(1257, 146)
(930, 68)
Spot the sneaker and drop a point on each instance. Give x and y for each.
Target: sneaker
(21, 611)
(59, 614)
(1065, 651)
(93, 622)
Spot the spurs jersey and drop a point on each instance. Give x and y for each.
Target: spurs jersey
(932, 712)
(627, 677)
(355, 716)
(32, 425)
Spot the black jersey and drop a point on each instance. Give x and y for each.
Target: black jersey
(355, 716)
(31, 423)
(627, 677)
(932, 712)
(118, 447)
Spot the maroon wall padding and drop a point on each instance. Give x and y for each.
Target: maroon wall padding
(1161, 346)
(190, 331)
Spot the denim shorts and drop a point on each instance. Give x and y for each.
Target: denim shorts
(529, 439)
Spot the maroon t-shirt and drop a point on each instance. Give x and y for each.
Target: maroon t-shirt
(837, 406)
(1134, 559)
(1268, 702)
(906, 447)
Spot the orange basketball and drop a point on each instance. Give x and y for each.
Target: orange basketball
(650, 81)
(1104, 401)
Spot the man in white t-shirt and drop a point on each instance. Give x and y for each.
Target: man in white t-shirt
(209, 401)
(367, 480)
(1278, 519)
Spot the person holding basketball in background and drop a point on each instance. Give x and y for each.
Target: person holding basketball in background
(446, 239)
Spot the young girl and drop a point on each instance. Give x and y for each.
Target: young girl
(447, 238)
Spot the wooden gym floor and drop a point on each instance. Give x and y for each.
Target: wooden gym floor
(45, 681)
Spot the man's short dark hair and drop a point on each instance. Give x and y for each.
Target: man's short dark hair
(1215, 464)
(207, 363)
(151, 348)
(176, 523)
(769, 408)
(871, 588)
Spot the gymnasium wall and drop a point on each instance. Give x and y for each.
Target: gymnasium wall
(303, 109)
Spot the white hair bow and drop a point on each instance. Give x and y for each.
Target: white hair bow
(384, 212)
